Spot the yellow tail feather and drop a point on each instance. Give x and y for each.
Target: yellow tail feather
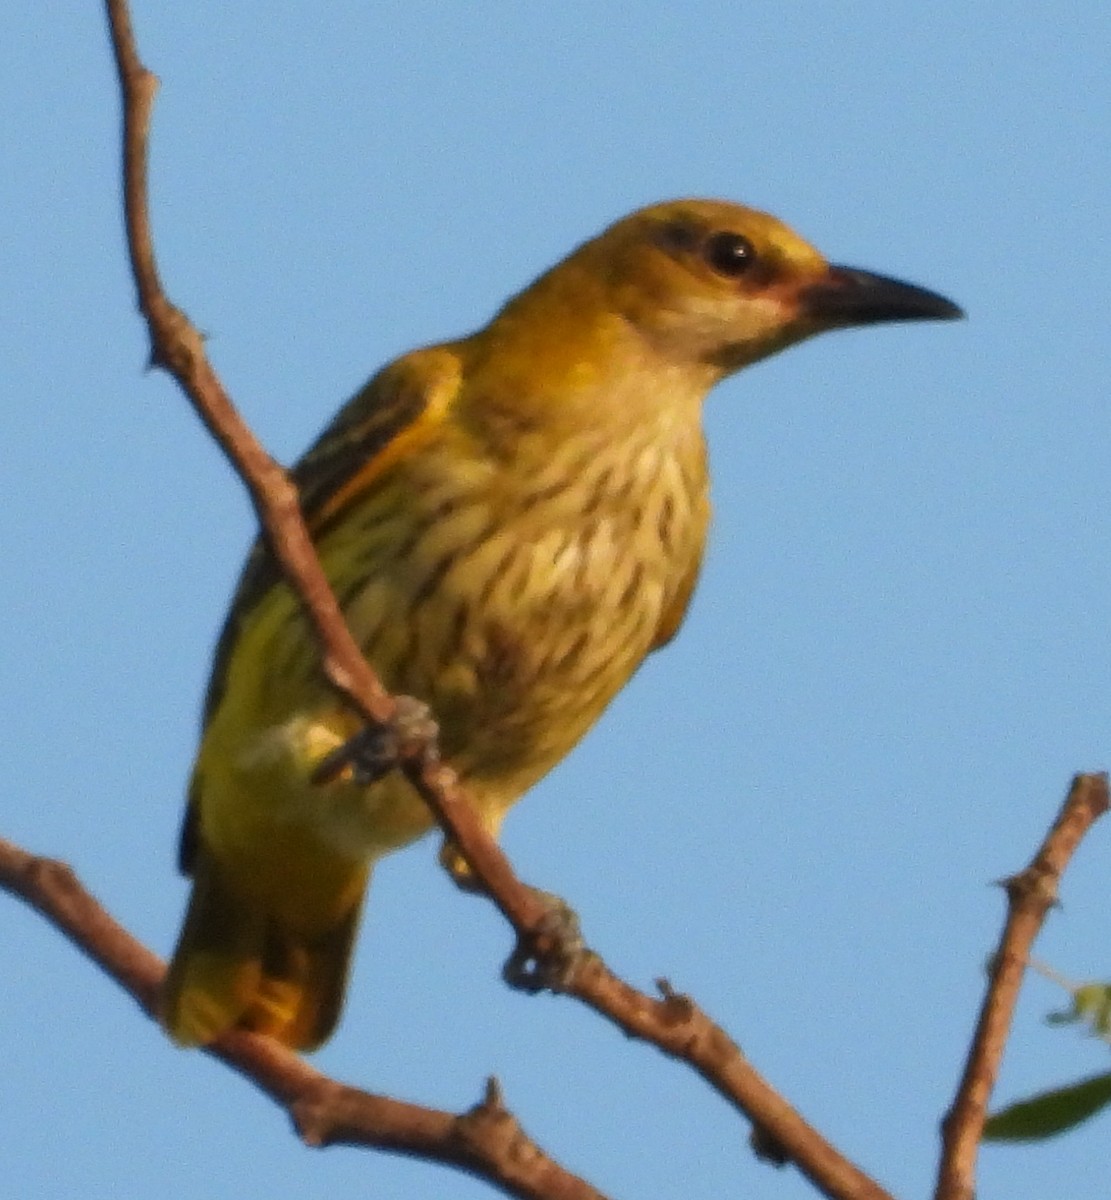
(236, 966)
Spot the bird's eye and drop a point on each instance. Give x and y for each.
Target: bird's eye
(730, 254)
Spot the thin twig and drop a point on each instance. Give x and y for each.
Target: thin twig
(676, 1025)
(1030, 895)
(1053, 976)
(485, 1141)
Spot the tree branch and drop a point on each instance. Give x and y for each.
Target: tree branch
(485, 1141)
(1030, 895)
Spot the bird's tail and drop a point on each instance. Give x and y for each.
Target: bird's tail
(237, 966)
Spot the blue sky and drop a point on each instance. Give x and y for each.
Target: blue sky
(898, 655)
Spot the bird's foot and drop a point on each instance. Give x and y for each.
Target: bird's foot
(376, 750)
(545, 958)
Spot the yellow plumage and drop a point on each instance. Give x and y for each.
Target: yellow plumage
(511, 523)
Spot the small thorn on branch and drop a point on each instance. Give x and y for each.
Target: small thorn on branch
(488, 1124)
(767, 1148)
(676, 1007)
(493, 1099)
(1032, 886)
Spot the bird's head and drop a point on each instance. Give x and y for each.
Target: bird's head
(714, 283)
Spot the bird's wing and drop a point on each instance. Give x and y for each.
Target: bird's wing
(393, 415)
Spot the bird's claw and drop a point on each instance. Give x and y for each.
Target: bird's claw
(376, 750)
(546, 957)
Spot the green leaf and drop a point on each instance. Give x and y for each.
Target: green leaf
(1050, 1113)
(1093, 1002)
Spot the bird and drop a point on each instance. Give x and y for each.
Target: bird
(511, 522)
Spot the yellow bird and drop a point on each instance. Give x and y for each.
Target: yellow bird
(511, 522)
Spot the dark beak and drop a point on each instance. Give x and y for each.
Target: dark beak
(851, 297)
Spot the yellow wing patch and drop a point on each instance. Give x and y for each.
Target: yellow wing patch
(399, 410)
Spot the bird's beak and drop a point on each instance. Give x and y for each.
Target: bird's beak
(846, 296)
